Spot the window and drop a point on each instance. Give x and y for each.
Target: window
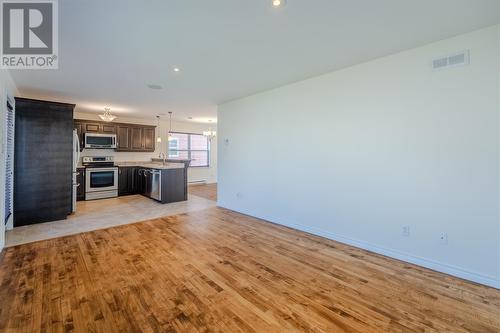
(173, 147)
(190, 146)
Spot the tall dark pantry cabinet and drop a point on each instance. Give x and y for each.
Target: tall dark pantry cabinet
(43, 159)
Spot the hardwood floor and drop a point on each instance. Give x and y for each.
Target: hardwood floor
(207, 191)
(219, 271)
(102, 214)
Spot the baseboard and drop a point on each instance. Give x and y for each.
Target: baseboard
(396, 254)
(202, 182)
(197, 182)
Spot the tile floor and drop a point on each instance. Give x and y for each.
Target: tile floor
(100, 214)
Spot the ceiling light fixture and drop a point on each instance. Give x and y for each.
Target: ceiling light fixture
(170, 137)
(158, 139)
(278, 3)
(107, 116)
(155, 86)
(177, 69)
(210, 134)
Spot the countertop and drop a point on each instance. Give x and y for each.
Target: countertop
(146, 164)
(151, 165)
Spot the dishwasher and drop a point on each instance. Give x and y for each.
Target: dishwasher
(155, 184)
(152, 183)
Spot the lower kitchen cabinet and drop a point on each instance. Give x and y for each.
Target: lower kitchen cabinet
(127, 181)
(163, 185)
(169, 185)
(80, 180)
(174, 185)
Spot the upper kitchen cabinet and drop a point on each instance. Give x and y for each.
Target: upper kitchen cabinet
(129, 137)
(91, 127)
(149, 138)
(123, 138)
(108, 128)
(138, 138)
(84, 126)
(142, 138)
(43, 161)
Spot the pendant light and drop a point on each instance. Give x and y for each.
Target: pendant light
(158, 139)
(170, 137)
(107, 116)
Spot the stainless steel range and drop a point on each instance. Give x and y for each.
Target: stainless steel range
(101, 177)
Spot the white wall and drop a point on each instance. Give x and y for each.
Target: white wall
(194, 174)
(7, 87)
(357, 154)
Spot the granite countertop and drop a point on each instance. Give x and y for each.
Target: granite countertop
(146, 164)
(132, 163)
(151, 165)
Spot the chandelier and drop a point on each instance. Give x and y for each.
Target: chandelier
(210, 134)
(107, 116)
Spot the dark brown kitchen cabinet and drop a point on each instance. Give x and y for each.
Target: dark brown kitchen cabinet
(96, 127)
(92, 127)
(80, 180)
(142, 138)
(123, 182)
(79, 128)
(43, 161)
(172, 183)
(136, 138)
(129, 137)
(149, 138)
(127, 180)
(123, 138)
(108, 129)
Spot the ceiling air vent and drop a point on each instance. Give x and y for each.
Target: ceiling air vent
(457, 59)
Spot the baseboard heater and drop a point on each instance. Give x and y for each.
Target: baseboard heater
(194, 182)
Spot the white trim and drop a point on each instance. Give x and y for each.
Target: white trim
(8, 98)
(424, 262)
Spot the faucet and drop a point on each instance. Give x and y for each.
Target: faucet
(164, 158)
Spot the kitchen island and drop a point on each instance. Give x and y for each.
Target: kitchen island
(163, 182)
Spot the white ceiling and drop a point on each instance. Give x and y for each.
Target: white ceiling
(110, 50)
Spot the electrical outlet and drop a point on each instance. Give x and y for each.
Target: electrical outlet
(406, 231)
(238, 195)
(443, 238)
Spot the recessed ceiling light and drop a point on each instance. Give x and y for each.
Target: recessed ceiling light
(155, 86)
(278, 3)
(177, 69)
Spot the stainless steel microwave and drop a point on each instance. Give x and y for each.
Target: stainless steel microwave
(100, 141)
